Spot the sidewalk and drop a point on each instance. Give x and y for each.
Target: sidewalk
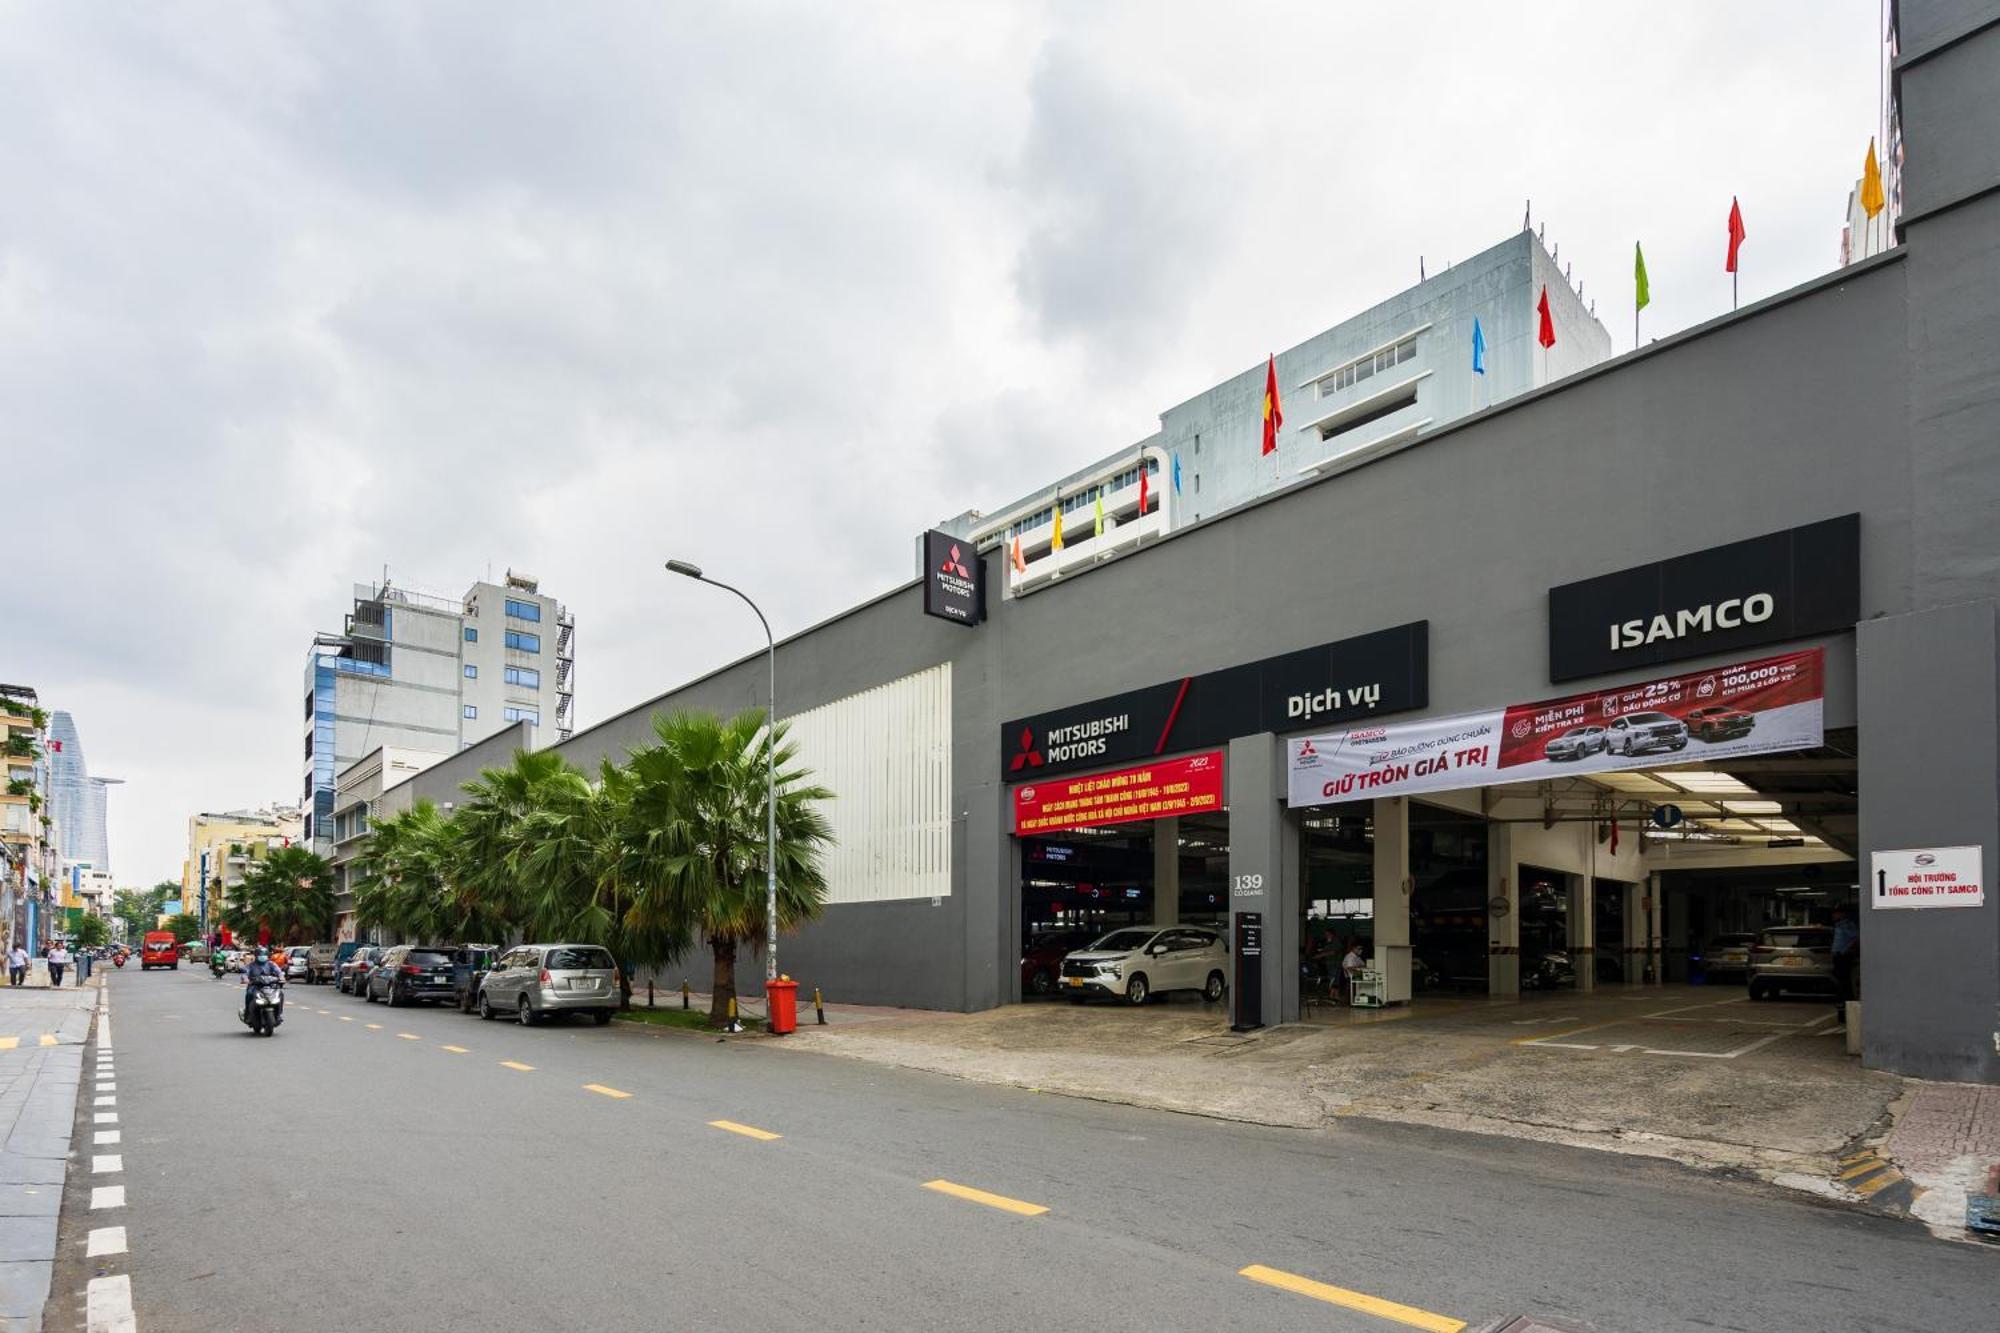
(1946, 1139)
(42, 1035)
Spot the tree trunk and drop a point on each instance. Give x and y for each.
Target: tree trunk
(724, 988)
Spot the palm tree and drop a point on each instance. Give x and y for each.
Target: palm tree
(289, 893)
(496, 838)
(695, 840)
(404, 874)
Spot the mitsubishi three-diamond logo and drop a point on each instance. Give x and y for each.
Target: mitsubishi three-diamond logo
(1029, 757)
(952, 565)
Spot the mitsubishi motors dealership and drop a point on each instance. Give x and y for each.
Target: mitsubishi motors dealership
(1687, 646)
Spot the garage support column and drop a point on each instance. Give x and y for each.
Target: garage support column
(1392, 897)
(1167, 870)
(1264, 870)
(1656, 954)
(1632, 948)
(1503, 913)
(1583, 930)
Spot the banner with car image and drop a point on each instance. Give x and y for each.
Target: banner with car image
(1758, 707)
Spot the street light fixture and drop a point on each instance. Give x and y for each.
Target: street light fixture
(693, 571)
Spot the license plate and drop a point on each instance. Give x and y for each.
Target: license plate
(1072, 981)
(1792, 962)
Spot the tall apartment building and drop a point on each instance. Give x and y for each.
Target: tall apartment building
(30, 865)
(1364, 387)
(221, 847)
(412, 671)
(78, 799)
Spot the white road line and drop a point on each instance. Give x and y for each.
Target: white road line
(109, 1086)
(1562, 1045)
(107, 1164)
(108, 1306)
(1726, 1055)
(107, 1196)
(104, 1138)
(104, 1118)
(104, 1101)
(104, 1240)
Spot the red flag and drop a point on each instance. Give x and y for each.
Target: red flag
(1020, 565)
(1736, 235)
(1614, 833)
(1142, 487)
(1274, 416)
(1547, 334)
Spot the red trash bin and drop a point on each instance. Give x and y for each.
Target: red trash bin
(783, 997)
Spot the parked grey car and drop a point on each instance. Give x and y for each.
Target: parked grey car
(534, 981)
(1792, 958)
(1576, 743)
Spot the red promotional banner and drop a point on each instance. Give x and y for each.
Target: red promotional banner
(1123, 796)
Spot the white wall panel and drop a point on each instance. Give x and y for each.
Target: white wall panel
(885, 753)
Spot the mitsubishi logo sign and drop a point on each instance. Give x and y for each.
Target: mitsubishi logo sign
(1029, 757)
(954, 579)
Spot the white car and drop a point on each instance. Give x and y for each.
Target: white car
(1135, 962)
(297, 966)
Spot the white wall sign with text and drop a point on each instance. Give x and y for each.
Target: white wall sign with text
(1928, 877)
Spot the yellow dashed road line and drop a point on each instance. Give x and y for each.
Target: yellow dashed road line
(516, 1064)
(1352, 1300)
(48, 1039)
(603, 1091)
(747, 1131)
(455, 1050)
(373, 1027)
(999, 1201)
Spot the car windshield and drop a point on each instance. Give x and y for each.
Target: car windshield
(428, 958)
(572, 960)
(1649, 717)
(1809, 937)
(1577, 731)
(1123, 941)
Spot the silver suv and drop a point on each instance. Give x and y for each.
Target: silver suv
(534, 981)
(1636, 733)
(1792, 958)
(1141, 961)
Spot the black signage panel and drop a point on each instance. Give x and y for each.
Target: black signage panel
(1387, 671)
(1769, 589)
(954, 579)
(1249, 971)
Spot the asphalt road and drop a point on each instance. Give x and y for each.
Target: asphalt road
(342, 1175)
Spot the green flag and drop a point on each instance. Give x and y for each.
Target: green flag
(1100, 514)
(1639, 277)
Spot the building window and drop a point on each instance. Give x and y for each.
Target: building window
(527, 643)
(471, 671)
(471, 711)
(524, 715)
(471, 634)
(524, 610)
(1347, 376)
(527, 676)
(309, 745)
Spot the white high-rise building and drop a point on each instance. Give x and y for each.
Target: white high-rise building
(418, 672)
(76, 799)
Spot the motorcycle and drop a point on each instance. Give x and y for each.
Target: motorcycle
(265, 1008)
(118, 959)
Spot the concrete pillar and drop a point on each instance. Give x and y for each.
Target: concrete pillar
(1633, 942)
(1392, 896)
(1656, 955)
(1167, 870)
(1503, 926)
(1264, 869)
(1583, 930)
(1928, 706)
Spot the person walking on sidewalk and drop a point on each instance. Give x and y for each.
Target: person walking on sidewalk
(58, 957)
(17, 965)
(1846, 961)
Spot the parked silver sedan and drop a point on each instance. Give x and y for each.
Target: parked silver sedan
(1792, 958)
(534, 981)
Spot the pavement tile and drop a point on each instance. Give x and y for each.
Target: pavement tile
(24, 1288)
(27, 1238)
(30, 1200)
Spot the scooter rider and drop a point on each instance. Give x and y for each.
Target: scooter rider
(261, 969)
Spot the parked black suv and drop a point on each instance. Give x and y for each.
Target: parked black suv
(407, 973)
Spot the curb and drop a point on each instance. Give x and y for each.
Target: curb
(1875, 1183)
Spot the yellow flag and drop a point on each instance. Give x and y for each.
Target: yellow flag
(1055, 542)
(1872, 200)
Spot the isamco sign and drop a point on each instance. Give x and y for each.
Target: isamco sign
(1769, 589)
(1387, 671)
(954, 579)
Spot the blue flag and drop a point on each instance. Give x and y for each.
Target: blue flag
(1478, 348)
(1177, 474)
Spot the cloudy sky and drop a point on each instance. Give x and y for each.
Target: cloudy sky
(291, 293)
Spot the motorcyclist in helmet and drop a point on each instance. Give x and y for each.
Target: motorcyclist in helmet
(260, 968)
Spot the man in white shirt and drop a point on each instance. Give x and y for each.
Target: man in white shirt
(17, 966)
(1351, 965)
(58, 957)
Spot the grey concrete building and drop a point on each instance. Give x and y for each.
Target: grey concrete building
(1401, 369)
(1818, 468)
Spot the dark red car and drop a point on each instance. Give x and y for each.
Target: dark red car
(1042, 955)
(1719, 722)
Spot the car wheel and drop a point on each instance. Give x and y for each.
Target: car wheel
(526, 1013)
(601, 1017)
(389, 997)
(1212, 992)
(1757, 992)
(1043, 982)
(485, 1009)
(1679, 745)
(1137, 989)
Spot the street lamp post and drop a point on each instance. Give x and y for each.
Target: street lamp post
(693, 571)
